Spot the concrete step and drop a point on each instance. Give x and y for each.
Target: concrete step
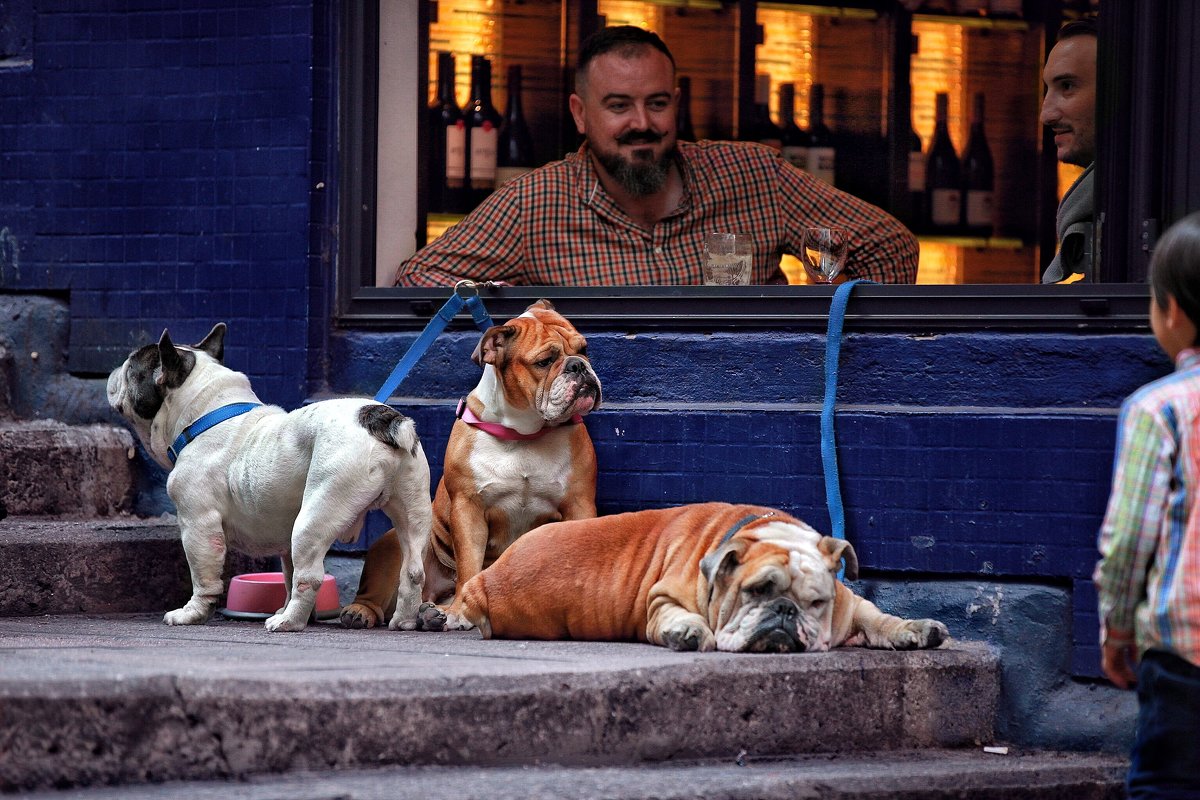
(123, 699)
(67, 565)
(48, 467)
(893, 775)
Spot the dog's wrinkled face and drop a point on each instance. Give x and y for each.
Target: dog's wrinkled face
(771, 589)
(542, 351)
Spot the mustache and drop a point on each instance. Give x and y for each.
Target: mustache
(640, 137)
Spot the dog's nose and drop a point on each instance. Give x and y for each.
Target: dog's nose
(784, 607)
(575, 364)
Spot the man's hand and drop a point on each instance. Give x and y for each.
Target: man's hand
(1118, 660)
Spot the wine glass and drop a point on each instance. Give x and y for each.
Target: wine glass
(823, 253)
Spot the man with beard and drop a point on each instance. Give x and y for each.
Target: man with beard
(1069, 110)
(632, 205)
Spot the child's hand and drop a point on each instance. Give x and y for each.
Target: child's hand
(1117, 661)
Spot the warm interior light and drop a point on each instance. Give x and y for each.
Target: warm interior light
(786, 54)
(938, 66)
(631, 12)
(465, 28)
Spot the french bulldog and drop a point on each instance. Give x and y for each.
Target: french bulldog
(709, 576)
(263, 481)
(518, 456)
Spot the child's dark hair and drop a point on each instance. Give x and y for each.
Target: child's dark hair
(1175, 267)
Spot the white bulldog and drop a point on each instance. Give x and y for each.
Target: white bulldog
(266, 482)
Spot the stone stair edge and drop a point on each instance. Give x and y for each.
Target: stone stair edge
(931, 773)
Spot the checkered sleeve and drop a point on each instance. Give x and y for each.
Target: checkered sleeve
(485, 246)
(881, 248)
(1129, 533)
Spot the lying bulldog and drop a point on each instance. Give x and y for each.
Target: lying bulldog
(699, 577)
(518, 457)
(265, 482)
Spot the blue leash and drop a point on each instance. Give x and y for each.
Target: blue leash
(833, 346)
(436, 325)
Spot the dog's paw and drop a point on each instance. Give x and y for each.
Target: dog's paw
(921, 634)
(279, 622)
(357, 615)
(688, 637)
(186, 616)
(457, 622)
(430, 618)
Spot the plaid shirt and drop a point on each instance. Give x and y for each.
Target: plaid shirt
(1148, 576)
(556, 226)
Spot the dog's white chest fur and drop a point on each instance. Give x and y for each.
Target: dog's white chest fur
(525, 480)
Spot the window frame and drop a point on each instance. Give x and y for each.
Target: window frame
(1081, 307)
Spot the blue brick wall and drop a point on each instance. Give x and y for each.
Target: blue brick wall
(160, 161)
(978, 456)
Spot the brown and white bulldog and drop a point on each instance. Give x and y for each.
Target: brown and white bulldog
(518, 457)
(711, 576)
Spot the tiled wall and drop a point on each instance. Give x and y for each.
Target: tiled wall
(972, 456)
(160, 161)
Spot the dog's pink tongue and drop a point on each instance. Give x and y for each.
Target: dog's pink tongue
(584, 404)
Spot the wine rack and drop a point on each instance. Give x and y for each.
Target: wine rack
(875, 91)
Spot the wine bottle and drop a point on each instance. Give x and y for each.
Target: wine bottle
(483, 128)
(978, 177)
(822, 157)
(514, 149)
(683, 114)
(916, 179)
(795, 141)
(762, 129)
(447, 143)
(942, 174)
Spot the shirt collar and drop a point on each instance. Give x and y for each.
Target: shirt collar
(1188, 358)
(590, 186)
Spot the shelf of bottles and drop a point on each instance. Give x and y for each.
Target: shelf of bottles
(831, 66)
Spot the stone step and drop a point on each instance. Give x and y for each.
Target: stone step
(893, 775)
(48, 467)
(123, 699)
(115, 564)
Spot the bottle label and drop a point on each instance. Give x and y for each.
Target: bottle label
(456, 155)
(821, 163)
(483, 156)
(979, 208)
(916, 171)
(506, 174)
(944, 206)
(796, 156)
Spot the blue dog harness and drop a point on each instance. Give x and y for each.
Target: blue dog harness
(210, 420)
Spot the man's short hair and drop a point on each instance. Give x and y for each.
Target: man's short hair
(1084, 26)
(625, 40)
(1175, 267)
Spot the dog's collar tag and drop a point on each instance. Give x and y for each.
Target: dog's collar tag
(209, 420)
(464, 413)
(741, 523)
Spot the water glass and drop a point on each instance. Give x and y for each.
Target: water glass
(728, 259)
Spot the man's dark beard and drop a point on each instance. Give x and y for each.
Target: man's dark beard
(640, 177)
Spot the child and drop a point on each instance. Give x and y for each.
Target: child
(1148, 577)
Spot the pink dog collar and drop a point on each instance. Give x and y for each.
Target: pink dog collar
(465, 413)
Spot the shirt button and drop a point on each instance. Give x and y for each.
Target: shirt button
(658, 250)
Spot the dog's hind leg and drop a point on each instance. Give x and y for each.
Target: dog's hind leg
(411, 512)
(376, 597)
(204, 545)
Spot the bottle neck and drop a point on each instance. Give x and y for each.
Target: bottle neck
(481, 83)
(514, 93)
(816, 107)
(446, 79)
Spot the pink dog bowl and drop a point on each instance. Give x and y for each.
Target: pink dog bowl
(258, 595)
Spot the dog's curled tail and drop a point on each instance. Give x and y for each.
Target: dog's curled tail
(390, 427)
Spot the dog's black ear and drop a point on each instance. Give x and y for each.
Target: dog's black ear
(491, 347)
(214, 343)
(836, 551)
(175, 366)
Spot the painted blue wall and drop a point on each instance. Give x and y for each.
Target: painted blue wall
(980, 456)
(160, 161)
